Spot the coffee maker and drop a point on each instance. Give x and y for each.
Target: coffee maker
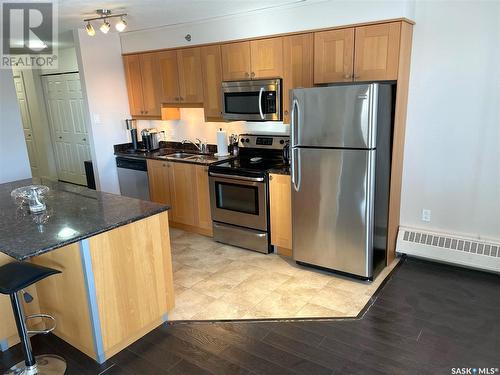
(132, 126)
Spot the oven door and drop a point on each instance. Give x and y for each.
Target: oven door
(239, 200)
(252, 100)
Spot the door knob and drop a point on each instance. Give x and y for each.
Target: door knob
(84, 139)
(60, 137)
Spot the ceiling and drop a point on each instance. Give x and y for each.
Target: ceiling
(144, 14)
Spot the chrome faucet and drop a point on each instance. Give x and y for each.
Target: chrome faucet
(200, 146)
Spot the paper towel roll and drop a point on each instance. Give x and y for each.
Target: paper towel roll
(222, 143)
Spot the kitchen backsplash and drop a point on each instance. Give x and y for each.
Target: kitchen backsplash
(192, 125)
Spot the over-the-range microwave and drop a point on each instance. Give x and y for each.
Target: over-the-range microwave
(255, 100)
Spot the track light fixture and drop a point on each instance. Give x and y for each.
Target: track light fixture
(90, 29)
(104, 15)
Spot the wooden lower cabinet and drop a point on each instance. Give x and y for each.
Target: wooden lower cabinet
(204, 215)
(159, 186)
(184, 187)
(280, 197)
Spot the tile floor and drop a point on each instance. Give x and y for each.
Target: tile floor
(214, 281)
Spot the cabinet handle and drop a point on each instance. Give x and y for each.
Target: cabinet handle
(253, 74)
(247, 74)
(270, 177)
(347, 76)
(84, 139)
(146, 111)
(29, 135)
(357, 77)
(286, 113)
(59, 137)
(164, 165)
(182, 99)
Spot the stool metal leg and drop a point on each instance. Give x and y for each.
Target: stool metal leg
(40, 365)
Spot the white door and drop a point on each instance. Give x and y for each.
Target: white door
(26, 119)
(65, 108)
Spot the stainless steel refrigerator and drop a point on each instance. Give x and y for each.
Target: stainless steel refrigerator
(341, 156)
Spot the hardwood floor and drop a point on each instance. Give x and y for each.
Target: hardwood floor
(427, 319)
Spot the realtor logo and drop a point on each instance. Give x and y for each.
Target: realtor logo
(28, 33)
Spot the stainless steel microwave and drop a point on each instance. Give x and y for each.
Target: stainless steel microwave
(256, 100)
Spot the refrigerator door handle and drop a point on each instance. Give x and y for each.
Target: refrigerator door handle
(260, 103)
(295, 160)
(294, 123)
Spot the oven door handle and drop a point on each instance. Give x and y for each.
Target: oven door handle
(260, 103)
(234, 177)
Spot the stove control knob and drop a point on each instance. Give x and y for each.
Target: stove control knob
(282, 142)
(242, 140)
(247, 140)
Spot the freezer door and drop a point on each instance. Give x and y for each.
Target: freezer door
(332, 198)
(335, 116)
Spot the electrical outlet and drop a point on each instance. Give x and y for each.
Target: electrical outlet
(426, 215)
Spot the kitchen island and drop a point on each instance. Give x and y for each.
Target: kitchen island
(116, 283)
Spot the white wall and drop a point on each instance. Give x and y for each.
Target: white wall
(452, 158)
(103, 81)
(66, 62)
(192, 125)
(14, 162)
(452, 143)
(305, 16)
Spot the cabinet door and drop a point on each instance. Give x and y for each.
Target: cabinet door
(183, 192)
(132, 67)
(266, 58)
(377, 52)
(298, 67)
(211, 67)
(235, 61)
(281, 210)
(150, 85)
(169, 77)
(334, 56)
(190, 77)
(159, 186)
(204, 219)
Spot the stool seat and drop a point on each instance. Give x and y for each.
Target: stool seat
(19, 275)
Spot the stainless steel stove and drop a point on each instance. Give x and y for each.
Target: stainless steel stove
(239, 193)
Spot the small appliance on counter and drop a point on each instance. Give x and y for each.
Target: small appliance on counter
(150, 139)
(239, 192)
(132, 126)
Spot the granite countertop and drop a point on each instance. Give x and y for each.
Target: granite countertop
(125, 150)
(285, 169)
(73, 213)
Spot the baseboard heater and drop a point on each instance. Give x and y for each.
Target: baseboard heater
(448, 248)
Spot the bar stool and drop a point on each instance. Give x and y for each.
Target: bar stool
(14, 277)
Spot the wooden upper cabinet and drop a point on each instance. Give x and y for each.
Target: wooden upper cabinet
(298, 67)
(190, 77)
(334, 56)
(266, 58)
(211, 68)
(377, 52)
(133, 77)
(280, 203)
(142, 85)
(235, 61)
(168, 77)
(150, 85)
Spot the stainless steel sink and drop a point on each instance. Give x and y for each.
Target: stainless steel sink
(202, 158)
(180, 155)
